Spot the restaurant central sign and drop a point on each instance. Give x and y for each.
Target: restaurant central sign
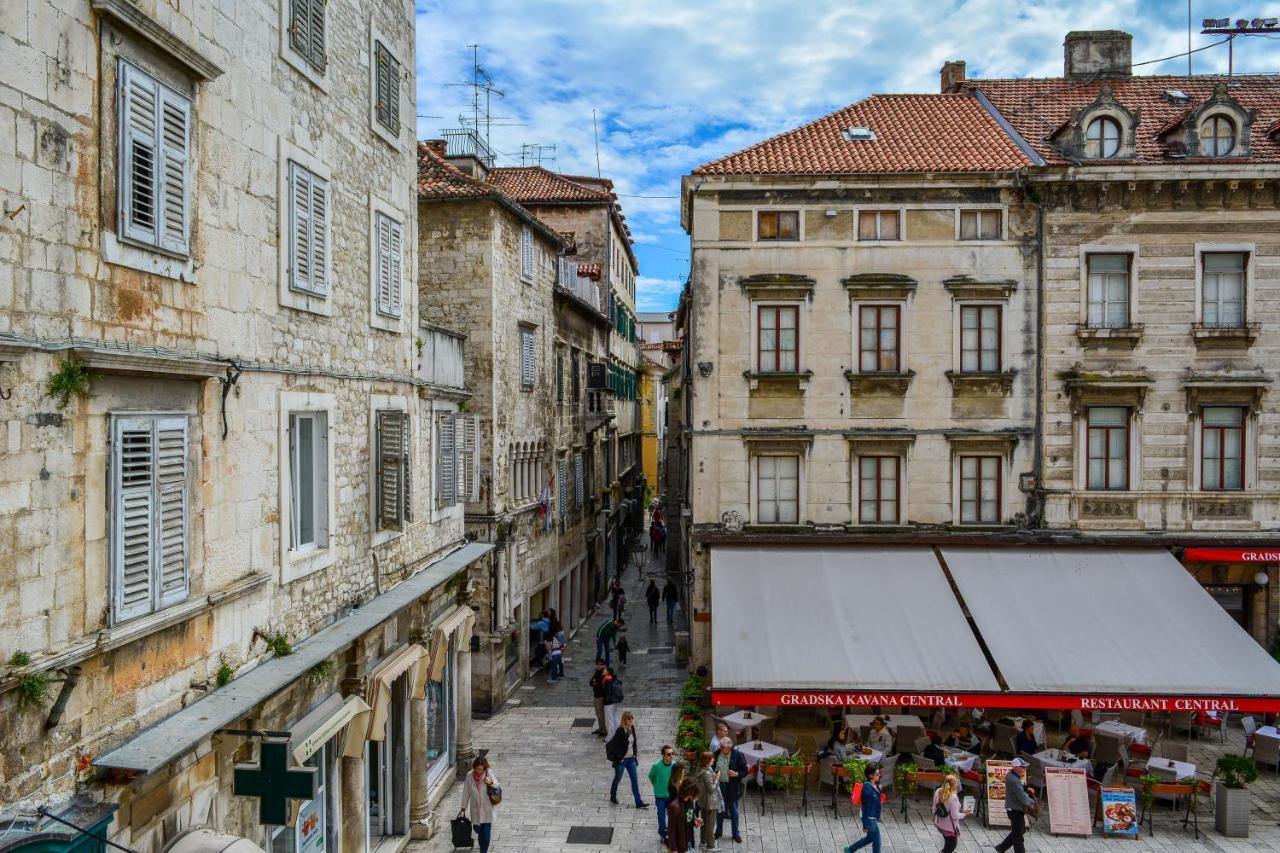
(923, 699)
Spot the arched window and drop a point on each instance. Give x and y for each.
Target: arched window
(1102, 138)
(1217, 136)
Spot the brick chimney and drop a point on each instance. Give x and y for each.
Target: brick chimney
(1106, 54)
(952, 75)
(435, 146)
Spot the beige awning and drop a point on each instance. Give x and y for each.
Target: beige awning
(329, 719)
(384, 674)
(434, 665)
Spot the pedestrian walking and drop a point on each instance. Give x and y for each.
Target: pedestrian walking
(670, 594)
(555, 648)
(710, 801)
(682, 820)
(653, 597)
(475, 797)
(612, 702)
(605, 635)
(1017, 799)
(623, 647)
(731, 768)
(947, 812)
(623, 751)
(658, 538)
(660, 779)
(618, 599)
(872, 799)
(597, 695)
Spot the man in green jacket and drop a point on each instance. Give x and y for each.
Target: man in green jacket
(605, 635)
(660, 778)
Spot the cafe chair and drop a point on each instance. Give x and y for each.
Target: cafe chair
(1182, 721)
(777, 774)
(938, 719)
(1077, 717)
(1108, 749)
(1141, 750)
(907, 737)
(1266, 750)
(1177, 793)
(1250, 729)
(1219, 722)
(1003, 741)
(920, 743)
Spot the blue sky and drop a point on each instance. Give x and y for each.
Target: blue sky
(676, 83)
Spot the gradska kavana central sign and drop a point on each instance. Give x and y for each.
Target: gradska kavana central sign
(1082, 702)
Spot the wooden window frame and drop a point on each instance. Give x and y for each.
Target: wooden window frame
(777, 227)
(1107, 458)
(1222, 458)
(879, 499)
(1128, 296)
(978, 459)
(1101, 140)
(778, 350)
(878, 213)
(999, 342)
(1244, 289)
(979, 213)
(776, 501)
(880, 308)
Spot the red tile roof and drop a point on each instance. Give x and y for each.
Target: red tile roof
(532, 184)
(589, 270)
(914, 133)
(1037, 108)
(439, 179)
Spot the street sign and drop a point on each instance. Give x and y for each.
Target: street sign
(274, 783)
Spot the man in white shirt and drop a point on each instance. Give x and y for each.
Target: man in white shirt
(722, 733)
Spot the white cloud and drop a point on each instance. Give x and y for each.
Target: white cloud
(657, 294)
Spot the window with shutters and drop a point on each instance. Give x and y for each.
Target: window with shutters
(308, 231)
(154, 162)
(528, 358)
(526, 253)
(564, 487)
(446, 460)
(559, 378)
(149, 514)
(386, 88)
(308, 481)
(393, 507)
(306, 32)
(467, 436)
(578, 483)
(388, 260)
(575, 379)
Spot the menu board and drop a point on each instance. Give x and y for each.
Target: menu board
(996, 771)
(1120, 812)
(1068, 791)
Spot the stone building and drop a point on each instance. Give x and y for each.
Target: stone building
(489, 268)
(861, 311)
(588, 213)
(1157, 199)
(220, 481)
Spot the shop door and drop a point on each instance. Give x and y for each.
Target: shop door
(441, 708)
(387, 763)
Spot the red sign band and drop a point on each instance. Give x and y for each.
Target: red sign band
(1045, 701)
(1231, 555)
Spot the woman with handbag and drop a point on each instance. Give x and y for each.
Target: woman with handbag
(480, 793)
(947, 812)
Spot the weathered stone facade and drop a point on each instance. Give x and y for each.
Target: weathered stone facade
(164, 332)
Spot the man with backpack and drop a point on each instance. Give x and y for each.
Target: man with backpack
(605, 635)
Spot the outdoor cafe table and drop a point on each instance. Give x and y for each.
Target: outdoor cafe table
(737, 722)
(1268, 731)
(1057, 758)
(893, 721)
(1180, 769)
(755, 756)
(960, 760)
(1038, 731)
(1130, 734)
(874, 756)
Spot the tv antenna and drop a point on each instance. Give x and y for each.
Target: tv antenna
(534, 153)
(483, 91)
(1269, 27)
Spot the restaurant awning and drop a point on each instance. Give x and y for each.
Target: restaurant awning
(1072, 628)
(873, 619)
(1125, 622)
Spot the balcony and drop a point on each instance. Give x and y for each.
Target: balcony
(584, 289)
(465, 142)
(440, 358)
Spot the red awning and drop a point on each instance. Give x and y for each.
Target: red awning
(1032, 701)
(1231, 555)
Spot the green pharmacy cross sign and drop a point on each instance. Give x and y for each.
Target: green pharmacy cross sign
(274, 783)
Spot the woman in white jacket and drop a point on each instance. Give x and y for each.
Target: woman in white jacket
(475, 797)
(947, 813)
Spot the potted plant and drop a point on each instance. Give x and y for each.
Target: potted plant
(780, 779)
(1231, 795)
(1147, 796)
(690, 710)
(689, 738)
(856, 768)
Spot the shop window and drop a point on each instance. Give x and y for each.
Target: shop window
(979, 489)
(1107, 439)
(315, 829)
(778, 225)
(1222, 448)
(878, 489)
(441, 712)
(387, 766)
(879, 339)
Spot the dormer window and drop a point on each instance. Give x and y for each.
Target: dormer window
(1217, 136)
(1102, 138)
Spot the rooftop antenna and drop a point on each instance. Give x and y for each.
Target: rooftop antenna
(482, 92)
(596, 133)
(533, 153)
(1268, 27)
(1188, 38)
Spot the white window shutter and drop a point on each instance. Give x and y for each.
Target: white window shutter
(446, 452)
(469, 465)
(564, 486)
(133, 480)
(138, 182)
(389, 247)
(391, 469)
(526, 252)
(174, 191)
(577, 479)
(319, 234)
(528, 363)
(299, 227)
(171, 509)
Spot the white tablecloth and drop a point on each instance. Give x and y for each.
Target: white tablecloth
(755, 756)
(1181, 769)
(856, 721)
(1037, 730)
(874, 757)
(1268, 731)
(736, 722)
(1131, 734)
(961, 760)
(1055, 758)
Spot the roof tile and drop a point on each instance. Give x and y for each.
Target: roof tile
(531, 184)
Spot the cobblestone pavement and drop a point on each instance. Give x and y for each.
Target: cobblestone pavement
(554, 774)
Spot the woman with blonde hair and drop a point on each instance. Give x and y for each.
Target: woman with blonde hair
(947, 812)
(710, 800)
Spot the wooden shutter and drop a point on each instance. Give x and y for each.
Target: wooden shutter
(388, 257)
(528, 364)
(386, 88)
(306, 31)
(174, 145)
(319, 234)
(171, 509)
(392, 441)
(564, 486)
(468, 435)
(136, 117)
(446, 461)
(526, 252)
(577, 480)
(308, 230)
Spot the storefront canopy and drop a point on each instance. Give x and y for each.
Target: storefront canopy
(973, 627)
(879, 619)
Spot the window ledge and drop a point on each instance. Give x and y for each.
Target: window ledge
(300, 564)
(798, 527)
(130, 362)
(129, 15)
(148, 260)
(885, 383)
(799, 379)
(1232, 335)
(1000, 382)
(967, 287)
(1123, 335)
(879, 285)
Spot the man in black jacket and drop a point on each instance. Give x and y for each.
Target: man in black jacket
(670, 594)
(597, 695)
(733, 772)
